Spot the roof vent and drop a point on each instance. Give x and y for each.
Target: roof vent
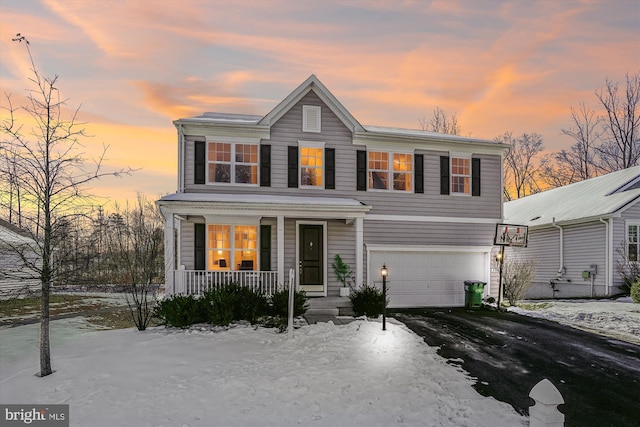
(311, 115)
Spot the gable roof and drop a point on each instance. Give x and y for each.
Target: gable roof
(587, 200)
(312, 84)
(12, 235)
(257, 125)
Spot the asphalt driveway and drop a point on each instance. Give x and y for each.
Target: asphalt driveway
(598, 377)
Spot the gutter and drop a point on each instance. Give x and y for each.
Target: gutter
(561, 269)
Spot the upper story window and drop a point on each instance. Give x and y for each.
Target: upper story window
(311, 166)
(396, 174)
(311, 118)
(460, 175)
(633, 248)
(232, 163)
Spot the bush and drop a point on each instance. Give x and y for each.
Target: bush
(232, 302)
(368, 301)
(180, 311)
(280, 303)
(517, 278)
(635, 292)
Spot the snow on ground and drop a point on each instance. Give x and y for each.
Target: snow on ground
(618, 319)
(325, 375)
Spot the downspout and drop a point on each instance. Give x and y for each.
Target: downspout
(180, 159)
(608, 264)
(561, 270)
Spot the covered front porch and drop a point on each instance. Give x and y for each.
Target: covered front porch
(256, 240)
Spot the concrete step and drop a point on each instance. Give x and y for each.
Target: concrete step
(334, 306)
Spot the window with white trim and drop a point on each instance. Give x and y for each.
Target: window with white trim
(460, 175)
(633, 244)
(311, 166)
(396, 175)
(225, 253)
(232, 163)
(311, 118)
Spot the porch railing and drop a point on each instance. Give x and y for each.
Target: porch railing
(195, 282)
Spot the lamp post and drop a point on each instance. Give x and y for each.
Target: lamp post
(383, 273)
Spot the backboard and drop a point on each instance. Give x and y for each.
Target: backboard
(511, 235)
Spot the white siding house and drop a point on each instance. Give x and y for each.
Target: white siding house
(592, 225)
(14, 279)
(260, 195)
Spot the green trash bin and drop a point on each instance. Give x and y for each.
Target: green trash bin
(473, 291)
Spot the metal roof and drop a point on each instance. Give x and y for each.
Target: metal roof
(603, 196)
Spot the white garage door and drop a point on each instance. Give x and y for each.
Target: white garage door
(428, 279)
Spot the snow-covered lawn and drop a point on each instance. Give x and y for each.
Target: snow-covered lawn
(618, 319)
(326, 375)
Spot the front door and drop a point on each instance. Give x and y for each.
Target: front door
(311, 259)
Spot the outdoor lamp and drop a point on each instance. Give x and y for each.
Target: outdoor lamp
(383, 273)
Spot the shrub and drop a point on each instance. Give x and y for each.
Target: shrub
(517, 278)
(180, 311)
(635, 292)
(280, 303)
(233, 302)
(368, 301)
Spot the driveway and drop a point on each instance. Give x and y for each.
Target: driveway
(598, 377)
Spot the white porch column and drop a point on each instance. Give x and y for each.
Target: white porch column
(169, 244)
(359, 252)
(280, 248)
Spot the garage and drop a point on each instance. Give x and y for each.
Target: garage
(428, 278)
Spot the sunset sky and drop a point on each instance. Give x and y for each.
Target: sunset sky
(135, 66)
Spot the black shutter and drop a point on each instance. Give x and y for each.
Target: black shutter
(199, 240)
(265, 166)
(265, 248)
(444, 175)
(419, 173)
(200, 156)
(361, 170)
(292, 167)
(330, 168)
(475, 177)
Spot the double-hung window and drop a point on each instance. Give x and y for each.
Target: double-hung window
(633, 242)
(232, 247)
(390, 171)
(460, 175)
(232, 163)
(311, 165)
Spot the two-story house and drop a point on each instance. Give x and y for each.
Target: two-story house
(261, 195)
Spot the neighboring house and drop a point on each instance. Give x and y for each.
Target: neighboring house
(261, 195)
(595, 222)
(14, 279)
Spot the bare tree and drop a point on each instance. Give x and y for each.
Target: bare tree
(620, 148)
(520, 169)
(48, 168)
(135, 249)
(441, 122)
(580, 158)
(517, 278)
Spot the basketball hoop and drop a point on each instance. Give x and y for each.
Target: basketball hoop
(511, 235)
